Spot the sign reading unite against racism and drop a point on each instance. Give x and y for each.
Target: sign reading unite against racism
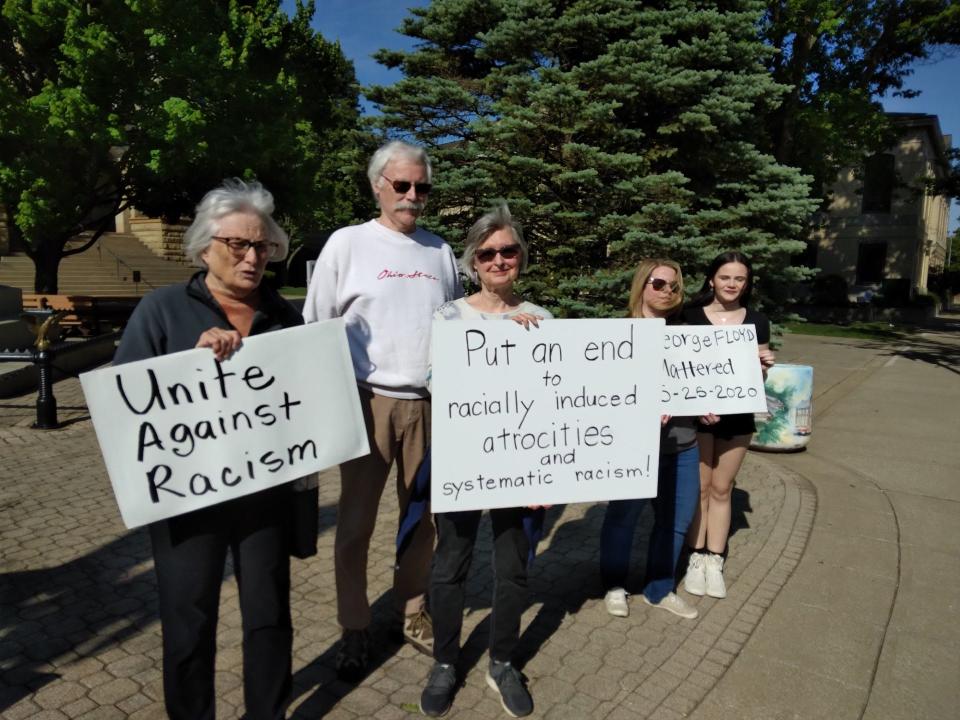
(567, 412)
(711, 369)
(183, 431)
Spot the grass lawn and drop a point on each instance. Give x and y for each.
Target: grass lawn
(293, 292)
(859, 330)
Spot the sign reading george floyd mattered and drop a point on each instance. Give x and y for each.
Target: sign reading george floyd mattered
(183, 431)
(711, 369)
(567, 412)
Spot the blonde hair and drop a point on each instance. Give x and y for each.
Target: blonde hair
(644, 270)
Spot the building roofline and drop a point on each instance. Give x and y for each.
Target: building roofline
(930, 123)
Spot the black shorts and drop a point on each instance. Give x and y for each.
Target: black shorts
(730, 426)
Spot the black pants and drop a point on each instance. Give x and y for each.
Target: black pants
(457, 533)
(189, 552)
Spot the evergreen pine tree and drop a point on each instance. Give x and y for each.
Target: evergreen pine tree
(615, 130)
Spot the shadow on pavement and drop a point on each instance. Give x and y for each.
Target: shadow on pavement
(740, 507)
(85, 605)
(319, 678)
(917, 348)
(102, 599)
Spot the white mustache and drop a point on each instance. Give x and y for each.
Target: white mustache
(410, 205)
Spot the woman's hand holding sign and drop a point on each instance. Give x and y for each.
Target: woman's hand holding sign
(223, 342)
(767, 359)
(527, 319)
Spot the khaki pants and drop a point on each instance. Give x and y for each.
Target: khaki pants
(398, 431)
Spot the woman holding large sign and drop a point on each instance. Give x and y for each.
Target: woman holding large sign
(723, 300)
(232, 237)
(494, 256)
(657, 292)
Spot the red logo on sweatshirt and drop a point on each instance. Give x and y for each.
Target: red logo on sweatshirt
(386, 274)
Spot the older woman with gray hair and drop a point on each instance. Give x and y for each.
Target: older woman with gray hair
(494, 256)
(232, 238)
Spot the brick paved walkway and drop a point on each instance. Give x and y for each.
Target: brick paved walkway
(80, 637)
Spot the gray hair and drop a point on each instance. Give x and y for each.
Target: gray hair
(499, 218)
(391, 151)
(233, 196)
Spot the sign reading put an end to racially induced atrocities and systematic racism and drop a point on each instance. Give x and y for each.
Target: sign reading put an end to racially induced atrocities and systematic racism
(567, 412)
(183, 431)
(711, 369)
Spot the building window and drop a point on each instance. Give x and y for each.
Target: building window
(879, 176)
(871, 261)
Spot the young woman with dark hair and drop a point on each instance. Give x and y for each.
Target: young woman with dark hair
(723, 300)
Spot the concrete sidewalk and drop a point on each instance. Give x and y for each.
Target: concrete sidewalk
(807, 630)
(863, 628)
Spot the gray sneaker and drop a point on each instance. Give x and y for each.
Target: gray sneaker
(437, 695)
(512, 687)
(672, 602)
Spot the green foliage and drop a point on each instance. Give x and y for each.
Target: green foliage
(838, 59)
(615, 131)
(151, 103)
(948, 183)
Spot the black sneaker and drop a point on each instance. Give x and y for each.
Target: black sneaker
(512, 686)
(353, 655)
(437, 696)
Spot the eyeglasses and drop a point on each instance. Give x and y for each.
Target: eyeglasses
(507, 252)
(239, 246)
(659, 284)
(402, 187)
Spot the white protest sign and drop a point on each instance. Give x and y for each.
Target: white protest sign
(182, 431)
(711, 369)
(567, 412)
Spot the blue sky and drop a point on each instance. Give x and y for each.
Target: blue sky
(365, 26)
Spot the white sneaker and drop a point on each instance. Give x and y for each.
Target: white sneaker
(716, 587)
(675, 604)
(616, 602)
(695, 581)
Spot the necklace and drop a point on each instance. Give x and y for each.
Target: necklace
(719, 311)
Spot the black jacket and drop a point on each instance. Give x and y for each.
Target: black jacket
(172, 319)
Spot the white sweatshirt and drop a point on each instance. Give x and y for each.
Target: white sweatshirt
(385, 285)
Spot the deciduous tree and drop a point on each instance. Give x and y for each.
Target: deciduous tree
(837, 60)
(151, 103)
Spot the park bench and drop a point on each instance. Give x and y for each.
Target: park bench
(84, 314)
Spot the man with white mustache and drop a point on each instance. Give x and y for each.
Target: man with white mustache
(385, 278)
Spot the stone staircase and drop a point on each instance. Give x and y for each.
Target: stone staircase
(106, 269)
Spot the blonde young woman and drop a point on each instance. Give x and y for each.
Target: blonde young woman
(723, 300)
(657, 292)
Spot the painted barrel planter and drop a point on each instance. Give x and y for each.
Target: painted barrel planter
(788, 422)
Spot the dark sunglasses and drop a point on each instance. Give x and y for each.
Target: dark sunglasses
(659, 284)
(402, 187)
(507, 252)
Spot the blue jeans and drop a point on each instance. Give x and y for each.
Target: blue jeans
(678, 493)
